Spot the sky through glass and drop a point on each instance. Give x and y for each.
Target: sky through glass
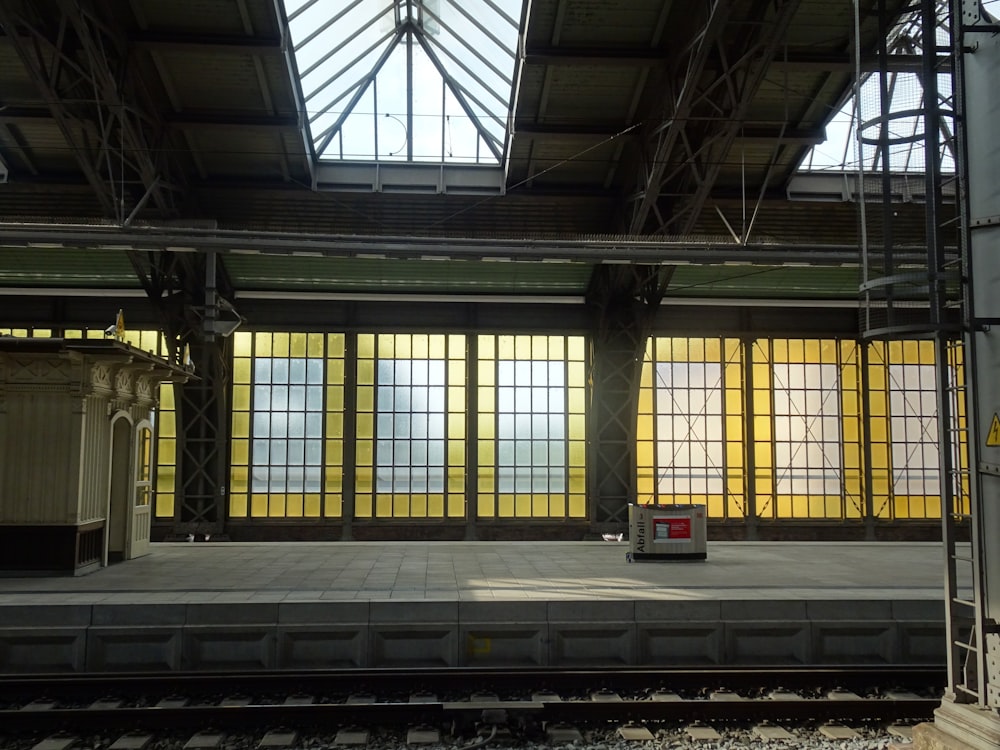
(406, 80)
(842, 152)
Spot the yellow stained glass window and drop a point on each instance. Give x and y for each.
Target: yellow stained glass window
(285, 435)
(690, 425)
(531, 427)
(807, 390)
(411, 407)
(905, 453)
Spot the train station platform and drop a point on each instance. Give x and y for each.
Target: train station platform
(232, 606)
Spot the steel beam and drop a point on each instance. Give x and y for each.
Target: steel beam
(623, 299)
(198, 42)
(622, 250)
(202, 411)
(188, 290)
(797, 61)
(288, 123)
(749, 133)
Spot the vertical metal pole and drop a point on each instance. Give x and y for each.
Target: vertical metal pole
(976, 57)
(471, 433)
(409, 92)
(749, 419)
(349, 468)
(866, 431)
(884, 160)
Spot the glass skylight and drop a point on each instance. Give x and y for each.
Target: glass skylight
(842, 151)
(406, 80)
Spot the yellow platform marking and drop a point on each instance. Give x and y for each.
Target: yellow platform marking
(993, 438)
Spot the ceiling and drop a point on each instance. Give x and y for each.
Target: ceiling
(649, 131)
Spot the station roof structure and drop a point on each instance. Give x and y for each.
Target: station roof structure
(431, 146)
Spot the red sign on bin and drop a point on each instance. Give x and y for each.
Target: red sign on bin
(672, 529)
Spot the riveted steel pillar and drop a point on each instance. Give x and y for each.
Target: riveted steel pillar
(200, 320)
(202, 441)
(623, 299)
(977, 47)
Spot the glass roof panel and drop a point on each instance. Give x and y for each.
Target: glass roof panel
(407, 80)
(842, 151)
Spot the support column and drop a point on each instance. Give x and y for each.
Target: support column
(202, 408)
(977, 43)
(198, 320)
(624, 299)
(348, 483)
(969, 717)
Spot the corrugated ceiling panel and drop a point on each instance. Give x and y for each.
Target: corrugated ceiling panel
(574, 162)
(585, 94)
(519, 213)
(610, 23)
(257, 272)
(239, 151)
(34, 267)
(763, 282)
(215, 16)
(14, 79)
(213, 82)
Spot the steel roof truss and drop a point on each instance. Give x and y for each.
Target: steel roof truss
(120, 126)
(751, 66)
(681, 90)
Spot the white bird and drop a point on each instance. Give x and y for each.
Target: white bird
(190, 537)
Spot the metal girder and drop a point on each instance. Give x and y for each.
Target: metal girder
(693, 151)
(186, 42)
(537, 55)
(79, 63)
(202, 411)
(24, 114)
(844, 63)
(623, 299)
(606, 250)
(796, 61)
(750, 132)
(287, 123)
(189, 291)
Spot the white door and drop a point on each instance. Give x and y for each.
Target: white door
(141, 517)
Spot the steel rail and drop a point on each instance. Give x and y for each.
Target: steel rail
(445, 679)
(580, 712)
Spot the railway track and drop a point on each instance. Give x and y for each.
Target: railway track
(509, 703)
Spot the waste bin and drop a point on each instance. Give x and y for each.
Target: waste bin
(667, 532)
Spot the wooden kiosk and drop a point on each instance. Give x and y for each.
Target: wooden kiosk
(76, 444)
